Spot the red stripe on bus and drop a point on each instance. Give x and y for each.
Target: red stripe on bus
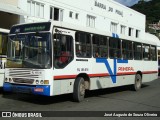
(149, 72)
(65, 77)
(126, 73)
(101, 75)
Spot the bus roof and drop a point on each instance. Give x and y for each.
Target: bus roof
(151, 37)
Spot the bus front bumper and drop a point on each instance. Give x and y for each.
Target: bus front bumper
(30, 89)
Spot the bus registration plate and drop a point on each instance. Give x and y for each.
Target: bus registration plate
(22, 90)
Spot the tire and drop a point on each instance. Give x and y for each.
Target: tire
(79, 89)
(138, 82)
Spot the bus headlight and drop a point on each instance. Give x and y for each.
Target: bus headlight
(6, 79)
(41, 82)
(10, 79)
(37, 81)
(46, 81)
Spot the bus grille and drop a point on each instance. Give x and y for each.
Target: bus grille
(20, 80)
(26, 76)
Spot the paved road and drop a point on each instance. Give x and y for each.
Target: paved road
(112, 99)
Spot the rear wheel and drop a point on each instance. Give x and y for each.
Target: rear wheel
(138, 82)
(79, 89)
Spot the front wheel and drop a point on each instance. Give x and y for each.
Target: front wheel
(79, 89)
(138, 82)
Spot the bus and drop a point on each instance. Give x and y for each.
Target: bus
(54, 58)
(3, 50)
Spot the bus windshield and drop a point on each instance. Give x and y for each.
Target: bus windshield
(31, 50)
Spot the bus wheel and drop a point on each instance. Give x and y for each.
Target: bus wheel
(79, 89)
(138, 82)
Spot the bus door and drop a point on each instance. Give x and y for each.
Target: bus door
(62, 47)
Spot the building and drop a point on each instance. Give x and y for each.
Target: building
(99, 14)
(11, 13)
(155, 29)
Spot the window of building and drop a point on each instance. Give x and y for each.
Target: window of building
(130, 32)
(56, 14)
(70, 14)
(123, 29)
(91, 21)
(83, 44)
(114, 48)
(35, 9)
(137, 51)
(137, 33)
(42, 11)
(113, 28)
(100, 47)
(127, 50)
(76, 16)
(29, 7)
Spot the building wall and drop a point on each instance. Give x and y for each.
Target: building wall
(12, 2)
(104, 14)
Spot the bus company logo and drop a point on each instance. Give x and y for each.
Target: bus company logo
(17, 30)
(6, 114)
(115, 62)
(125, 69)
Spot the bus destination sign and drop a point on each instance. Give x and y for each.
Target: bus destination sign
(36, 27)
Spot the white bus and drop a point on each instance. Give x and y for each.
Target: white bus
(53, 58)
(3, 50)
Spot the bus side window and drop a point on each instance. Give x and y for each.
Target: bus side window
(137, 51)
(146, 53)
(114, 48)
(83, 44)
(100, 46)
(127, 50)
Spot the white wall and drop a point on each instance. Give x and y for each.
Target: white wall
(104, 17)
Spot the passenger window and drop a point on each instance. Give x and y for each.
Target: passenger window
(83, 45)
(153, 53)
(114, 48)
(100, 47)
(146, 52)
(137, 51)
(127, 50)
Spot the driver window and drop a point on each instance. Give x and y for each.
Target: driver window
(63, 50)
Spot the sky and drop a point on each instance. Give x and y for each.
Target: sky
(128, 2)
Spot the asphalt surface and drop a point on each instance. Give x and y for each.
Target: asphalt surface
(111, 99)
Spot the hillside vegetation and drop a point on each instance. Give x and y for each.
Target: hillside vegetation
(151, 9)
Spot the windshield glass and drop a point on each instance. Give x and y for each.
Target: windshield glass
(31, 50)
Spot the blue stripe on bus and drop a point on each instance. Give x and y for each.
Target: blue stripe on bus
(114, 72)
(122, 61)
(114, 35)
(27, 89)
(117, 36)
